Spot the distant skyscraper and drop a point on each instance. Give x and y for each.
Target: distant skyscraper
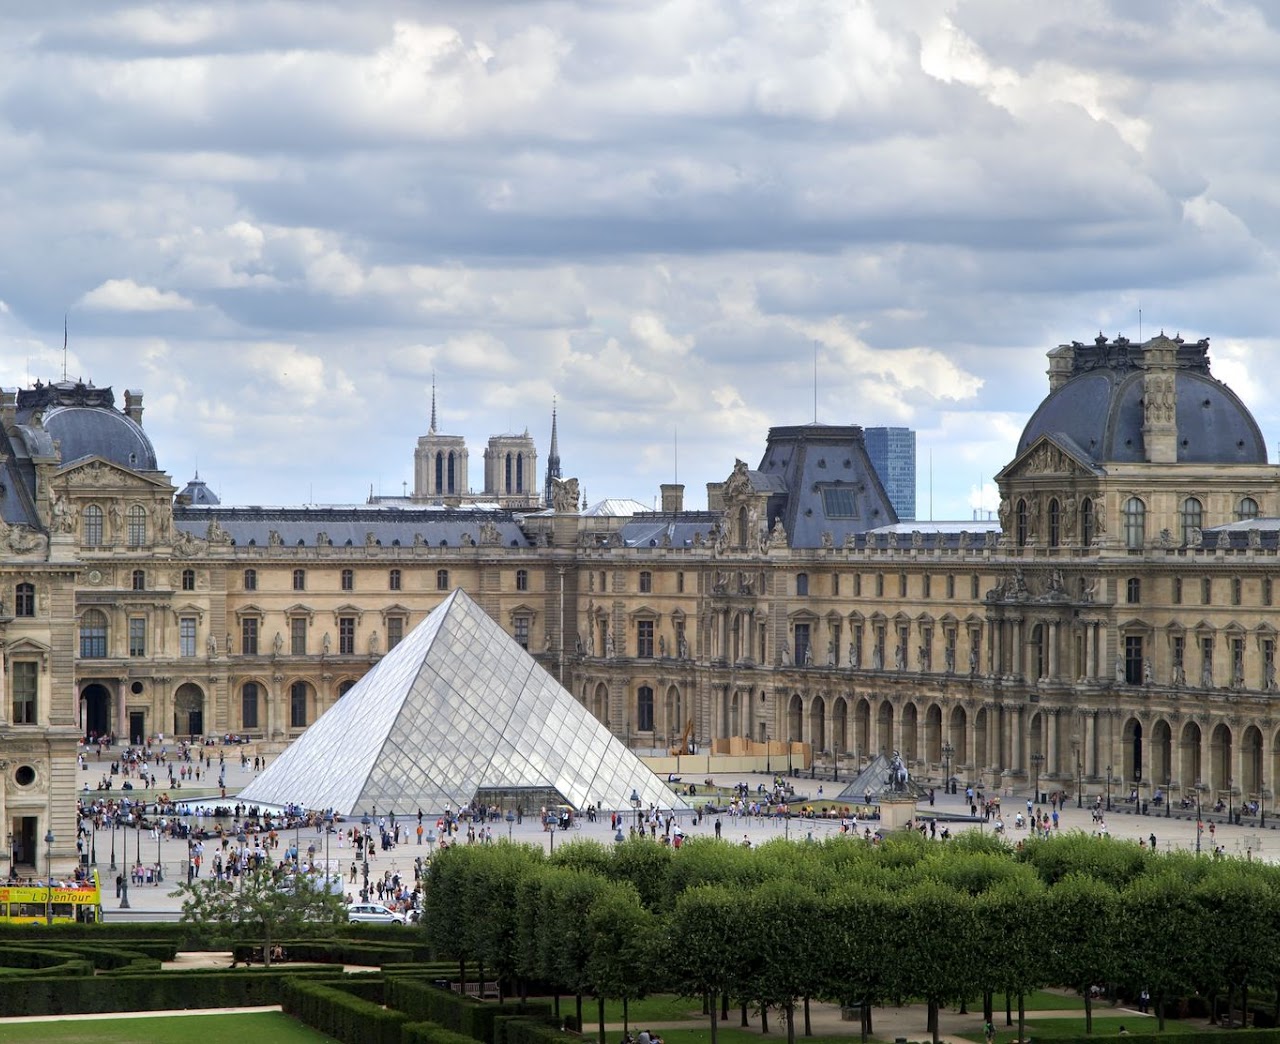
(893, 455)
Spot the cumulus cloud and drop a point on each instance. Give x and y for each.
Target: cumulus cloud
(124, 295)
(281, 219)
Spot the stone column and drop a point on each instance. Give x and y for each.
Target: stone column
(1051, 734)
(1091, 744)
(1018, 668)
(1090, 639)
(1053, 650)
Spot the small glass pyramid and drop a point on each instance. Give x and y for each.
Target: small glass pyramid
(458, 710)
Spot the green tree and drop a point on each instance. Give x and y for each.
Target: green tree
(1083, 936)
(1165, 937)
(929, 931)
(263, 906)
(701, 948)
(624, 937)
(855, 970)
(786, 931)
(1009, 926)
(1236, 896)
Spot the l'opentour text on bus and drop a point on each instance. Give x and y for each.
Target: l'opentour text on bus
(33, 904)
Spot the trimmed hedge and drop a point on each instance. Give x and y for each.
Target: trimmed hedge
(451, 1011)
(531, 1030)
(45, 995)
(340, 1015)
(430, 1033)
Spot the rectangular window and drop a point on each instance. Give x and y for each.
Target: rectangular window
(802, 644)
(249, 636)
(902, 585)
(137, 636)
(393, 580)
(24, 679)
(857, 585)
(1237, 661)
(442, 579)
(879, 585)
(24, 600)
(951, 585)
(521, 625)
(1133, 590)
(1206, 591)
(680, 583)
(346, 635)
(928, 585)
(299, 579)
(1177, 590)
(1179, 652)
(1266, 590)
(644, 638)
(1206, 663)
(188, 579)
(522, 579)
(1133, 659)
(838, 502)
(835, 585)
(298, 636)
(348, 580)
(395, 631)
(1237, 590)
(187, 636)
(974, 582)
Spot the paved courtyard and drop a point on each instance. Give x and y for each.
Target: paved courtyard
(1178, 831)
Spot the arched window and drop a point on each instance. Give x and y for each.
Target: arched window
(519, 472)
(442, 579)
(742, 527)
(1086, 522)
(1020, 523)
(644, 709)
(439, 472)
(298, 705)
(1246, 509)
(93, 635)
(1192, 518)
(92, 524)
(345, 687)
(24, 600)
(1055, 523)
(452, 472)
(137, 525)
(249, 705)
(1135, 524)
(250, 579)
(139, 582)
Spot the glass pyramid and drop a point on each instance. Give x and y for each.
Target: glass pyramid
(457, 708)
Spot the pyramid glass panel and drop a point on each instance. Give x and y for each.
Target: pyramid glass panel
(456, 708)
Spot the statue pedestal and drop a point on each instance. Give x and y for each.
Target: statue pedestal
(896, 811)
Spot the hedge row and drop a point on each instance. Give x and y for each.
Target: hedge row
(430, 1033)
(531, 1030)
(46, 995)
(338, 1014)
(458, 1014)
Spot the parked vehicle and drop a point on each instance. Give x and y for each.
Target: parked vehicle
(372, 913)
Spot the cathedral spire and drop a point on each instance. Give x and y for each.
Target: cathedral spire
(553, 457)
(432, 430)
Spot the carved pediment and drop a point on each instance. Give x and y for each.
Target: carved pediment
(1047, 457)
(100, 473)
(738, 483)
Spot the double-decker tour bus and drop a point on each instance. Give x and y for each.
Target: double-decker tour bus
(39, 904)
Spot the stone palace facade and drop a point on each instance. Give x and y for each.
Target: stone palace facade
(1118, 622)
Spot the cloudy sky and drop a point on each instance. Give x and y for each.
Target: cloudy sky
(279, 219)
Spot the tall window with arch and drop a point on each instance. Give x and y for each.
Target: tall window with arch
(644, 709)
(136, 525)
(1135, 524)
(1086, 522)
(93, 635)
(298, 705)
(91, 525)
(24, 600)
(1192, 519)
(249, 705)
(1246, 509)
(1020, 523)
(1055, 522)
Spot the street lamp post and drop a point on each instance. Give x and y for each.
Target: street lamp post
(635, 803)
(48, 874)
(158, 862)
(137, 818)
(947, 752)
(1262, 806)
(113, 843)
(1037, 759)
(1108, 788)
(93, 842)
(328, 829)
(768, 763)
(553, 834)
(1230, 807)
(511, 820)
(1168, 796)
(1199, 821)
(431, 843)
(365, 822)
(1079, 781)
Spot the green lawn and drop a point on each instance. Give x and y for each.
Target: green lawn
(272, 1026)
(735, 1035)
(663, 1007)
(1107, 1027)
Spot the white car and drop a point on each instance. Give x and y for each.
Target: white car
(372, 913)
